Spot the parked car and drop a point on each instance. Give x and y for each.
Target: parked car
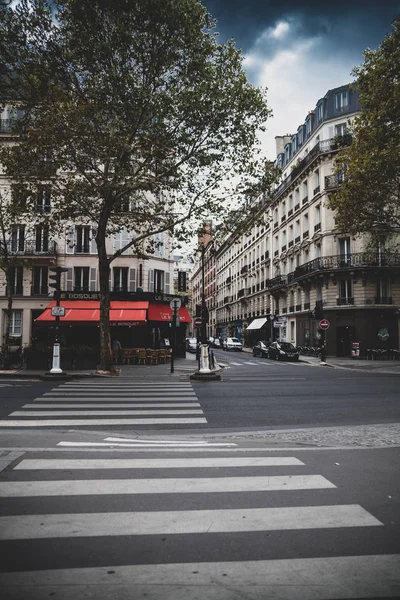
(261, 349)
(283, 351)
(191, 345)
(233, 344)
(216, 343)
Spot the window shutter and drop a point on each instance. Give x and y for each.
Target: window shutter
(69, 280)
(167, 282)
(132, 280)
(93, 245)
(125, 239)
(151, 280)
(70, 240)
(93, 279)
(118, 241)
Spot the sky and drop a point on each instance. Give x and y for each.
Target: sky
(300, 49)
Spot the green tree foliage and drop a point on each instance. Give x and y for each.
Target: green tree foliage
(368, 199)
(133, 113)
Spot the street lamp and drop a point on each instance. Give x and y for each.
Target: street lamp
(272, 318)
(204, 311)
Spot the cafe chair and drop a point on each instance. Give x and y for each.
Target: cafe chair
(141, 356)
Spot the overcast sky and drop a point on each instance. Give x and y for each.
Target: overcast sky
(301, 49)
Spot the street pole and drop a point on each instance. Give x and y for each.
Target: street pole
(56, 284)
(323, 346)
(174, 316)
(203, 300)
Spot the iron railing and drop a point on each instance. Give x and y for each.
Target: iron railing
(350, 261)
(28, 248)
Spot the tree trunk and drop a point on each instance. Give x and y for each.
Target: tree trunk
(9, 310)
(106, 359)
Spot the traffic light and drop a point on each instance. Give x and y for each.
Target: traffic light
(55, 279)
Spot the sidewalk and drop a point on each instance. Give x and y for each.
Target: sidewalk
(355, 364)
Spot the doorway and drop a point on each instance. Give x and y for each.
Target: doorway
(344, 336)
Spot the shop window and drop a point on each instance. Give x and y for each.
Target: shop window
(15, 324)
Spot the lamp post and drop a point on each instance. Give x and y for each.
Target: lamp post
(272, 319)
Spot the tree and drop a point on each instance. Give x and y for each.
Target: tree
(368, 199)
(133, 114)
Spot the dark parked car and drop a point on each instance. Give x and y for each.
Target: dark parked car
(283, 351)
(261, 349)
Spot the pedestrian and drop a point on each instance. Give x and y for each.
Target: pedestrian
(116, 345)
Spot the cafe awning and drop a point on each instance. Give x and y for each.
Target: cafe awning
(162, 312)
(257, 323)
(88, 311)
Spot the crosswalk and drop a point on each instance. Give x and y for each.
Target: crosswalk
(111, 403)
(220, 527)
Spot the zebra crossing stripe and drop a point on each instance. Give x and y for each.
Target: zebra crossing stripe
(29, 464)
(70, 422)
(118, 398)
(139, 444)
(115, 405)
(184, 522)
(101, 413)
(21, 489)
(323, 578)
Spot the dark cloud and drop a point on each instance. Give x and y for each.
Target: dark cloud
(350, 23)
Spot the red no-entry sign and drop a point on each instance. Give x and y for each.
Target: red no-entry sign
(324, 324)
(197, 322)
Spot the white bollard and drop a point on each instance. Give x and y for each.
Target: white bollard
(204, 360)
(56, 359)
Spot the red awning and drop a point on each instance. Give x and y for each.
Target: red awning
(89, 311)
(162, 312)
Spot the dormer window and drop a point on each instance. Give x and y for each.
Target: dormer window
(341, 101)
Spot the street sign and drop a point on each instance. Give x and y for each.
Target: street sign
(197, 322)
(58, 311)
(324, 324)
(175, 302)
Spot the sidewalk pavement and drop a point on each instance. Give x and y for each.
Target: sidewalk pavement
(354, 364)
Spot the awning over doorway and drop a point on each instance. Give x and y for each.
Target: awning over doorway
(88, 311)
(162, 312)
(257, 323)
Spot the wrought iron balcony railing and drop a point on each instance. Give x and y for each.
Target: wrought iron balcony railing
(383, 300)
(278, 281)
(344, 301)
(358, 260)
(28, 248)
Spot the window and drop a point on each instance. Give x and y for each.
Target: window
(41, 239)
(17, 283)
(43, 199)
(159, 247)
(82, 240)
(320, 112)
(158, 281)
(340, 129)
(316, 182)
(120, 283)
(344, 250)
(383, 292)
(15, 325)
(40, 281)
(345, 291)
(341, 101)
(81, 278)
(18, 238)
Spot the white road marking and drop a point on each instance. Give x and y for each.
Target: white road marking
(187, 485)
(251, 363)
(56, 393)
(117, 398)
(285, 579)
(74, 422)
(148, 445)
(101, 413)
(116, 405)
(42, 464)
(184, 522)
(236, 364)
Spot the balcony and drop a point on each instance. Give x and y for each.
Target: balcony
(298, 307)
(383, 300)
(243, 270)
(305, 234)
(276, 252)
(28, 248)
(276, 224)
(290, 277)
(228, 280)
(291, 309)
(283, 218)
(317, 227)
(344, 301)
(304, 201)
(228, 299)
(297, 239)
(8, 125)
(306, 306)
(284, 248)
(279, 281)
(284, 310)
(297, 207)
(317, 190)
(37, 290)
(358, 260)
(290, 212)
(290, 243)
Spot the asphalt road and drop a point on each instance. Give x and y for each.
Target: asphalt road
(298, 525)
